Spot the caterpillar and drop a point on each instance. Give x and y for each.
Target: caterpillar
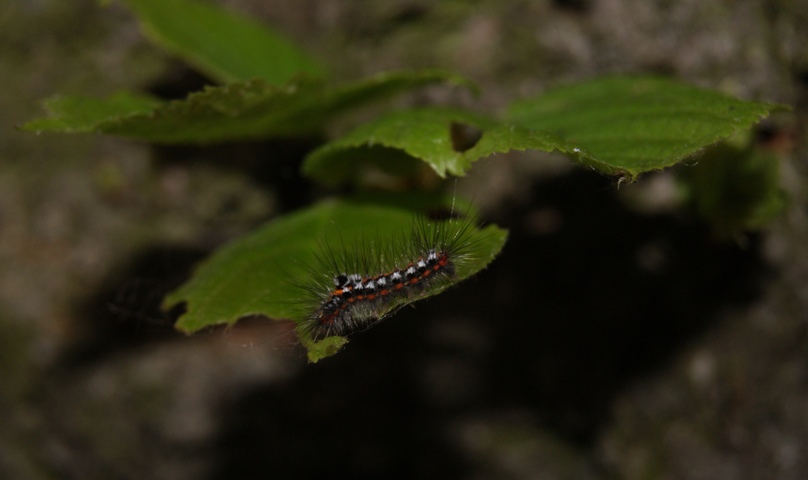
(352, 289)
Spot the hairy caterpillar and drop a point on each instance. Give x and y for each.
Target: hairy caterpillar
(353, 288)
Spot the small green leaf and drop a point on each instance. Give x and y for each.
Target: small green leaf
(324, 348)
(223, 45)
(733, 188)
(258, 274)
(630, 125)
(425, 134)
(237, 111)
(83, 114)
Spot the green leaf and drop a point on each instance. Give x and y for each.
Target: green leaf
(225, 46)
(241, 110)
(425, 134)
(259, 274)
(734, 188)
(630, 125)
(82, 114)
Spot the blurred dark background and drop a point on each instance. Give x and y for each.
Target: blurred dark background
(615, 337)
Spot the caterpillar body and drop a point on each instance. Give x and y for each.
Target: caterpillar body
(355, 288)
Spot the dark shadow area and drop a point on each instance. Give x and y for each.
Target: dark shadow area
(358, 415)
(586, 298)
(272, 164)
(178, 81)
(126, 313)
(574, 6)
(608, 297)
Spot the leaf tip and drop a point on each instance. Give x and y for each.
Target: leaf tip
(324, 348)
